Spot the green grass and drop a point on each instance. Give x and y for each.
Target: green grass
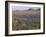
(17, 24)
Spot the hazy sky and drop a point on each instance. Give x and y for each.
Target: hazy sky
(23, 8)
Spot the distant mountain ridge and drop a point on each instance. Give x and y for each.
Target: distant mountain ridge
(22, 12)
(26, 14)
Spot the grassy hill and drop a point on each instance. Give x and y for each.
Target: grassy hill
(25, 19)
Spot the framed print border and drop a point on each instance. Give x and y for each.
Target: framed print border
(6, 18)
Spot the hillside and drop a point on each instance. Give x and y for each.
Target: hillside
(21, 12)
(25, 19)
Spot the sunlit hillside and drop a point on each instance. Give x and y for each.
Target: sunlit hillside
(26, 12)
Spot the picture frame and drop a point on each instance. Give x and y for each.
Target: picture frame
(23, 8)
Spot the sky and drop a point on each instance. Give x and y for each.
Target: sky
(23, 8)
